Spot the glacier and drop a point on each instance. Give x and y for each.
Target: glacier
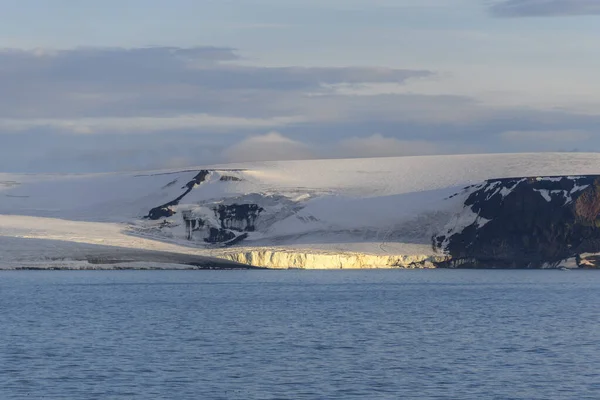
(397, 212)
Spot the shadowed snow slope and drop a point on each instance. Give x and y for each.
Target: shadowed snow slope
(350, 213)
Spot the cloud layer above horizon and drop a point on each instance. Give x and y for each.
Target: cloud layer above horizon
(545, 8)
(365, 89)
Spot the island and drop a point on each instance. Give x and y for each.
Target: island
(538, 210)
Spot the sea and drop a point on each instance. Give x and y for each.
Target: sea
(378, 334)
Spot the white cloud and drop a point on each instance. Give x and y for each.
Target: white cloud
(145, 124)
(549, 140)
(274, 146)
(554, 137)
(545, 8)
(270, 147)
(195, 104)
(380, 146)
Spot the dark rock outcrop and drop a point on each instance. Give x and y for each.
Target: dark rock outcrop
(219, 236)
(233, 219)
(238, 217)
(165, 211)
(229, 178)
(525, 223)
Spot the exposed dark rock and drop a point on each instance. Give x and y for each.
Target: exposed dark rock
(527, 223)
(238, 217)
(196, 224)
(170, 184)
(219, 236)
(198, 179)
(160, 212)
(229, 178)
(165, 210)
(236, 240)
(168, 224)
(235, 217)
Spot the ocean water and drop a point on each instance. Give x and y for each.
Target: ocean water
(393, 334)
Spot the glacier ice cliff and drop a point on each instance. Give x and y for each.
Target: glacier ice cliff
(310, 259)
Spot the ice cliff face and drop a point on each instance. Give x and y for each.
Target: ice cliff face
(318, 260)
(524, 223)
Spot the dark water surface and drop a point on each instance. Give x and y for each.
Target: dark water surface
(300, 335)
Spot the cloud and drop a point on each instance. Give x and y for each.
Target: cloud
(380, 146)
(274, 146)
(566, 136)
(51, 149)
(92, 110)
(46, 149)
(550, 140)
(270, 147)
(168, 81)
(545, 8)
(146, 125)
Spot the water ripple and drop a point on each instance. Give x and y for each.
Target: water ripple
(299, 335)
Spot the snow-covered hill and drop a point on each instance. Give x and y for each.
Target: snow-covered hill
(324, 213)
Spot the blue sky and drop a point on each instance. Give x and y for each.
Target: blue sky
(132, 84)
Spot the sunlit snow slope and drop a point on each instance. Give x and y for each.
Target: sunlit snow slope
(327, 213)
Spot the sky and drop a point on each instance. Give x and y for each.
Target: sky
(97, 86)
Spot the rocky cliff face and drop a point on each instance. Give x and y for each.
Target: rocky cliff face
(524, 223)
(238, 217)
(228, 222)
